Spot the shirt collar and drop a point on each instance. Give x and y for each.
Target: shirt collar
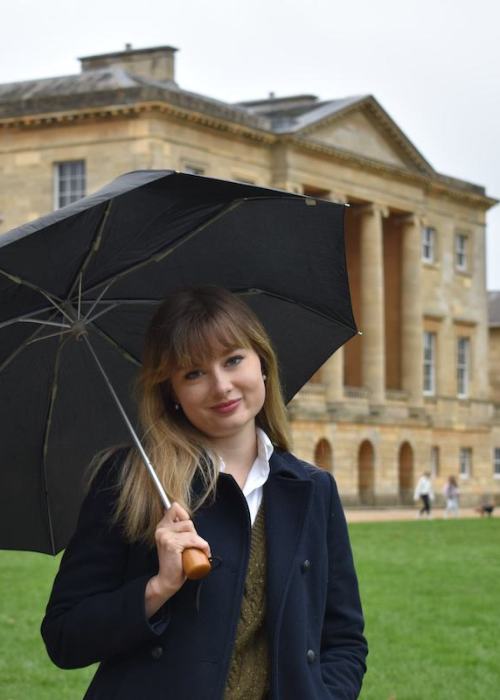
(259, 471)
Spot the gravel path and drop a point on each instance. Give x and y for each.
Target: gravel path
(364, 515)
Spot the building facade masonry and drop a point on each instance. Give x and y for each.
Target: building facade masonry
(414, 391)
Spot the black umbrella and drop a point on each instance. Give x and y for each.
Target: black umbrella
(83, 282)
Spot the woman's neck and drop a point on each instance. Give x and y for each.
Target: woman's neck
(238, 452)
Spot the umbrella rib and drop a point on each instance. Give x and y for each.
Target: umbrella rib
(119, 348)
(53, 394)
(158, 256)
(52, 298)
(20, 348)
(86, 317)
(253, 291)
(96, 243)
(110, 307)
(79, 308)
(41, 323)
(10, 321)
(51, 335)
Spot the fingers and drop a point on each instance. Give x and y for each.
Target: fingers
(176, 532)
(176, 512)
(169, 541)
(182, 526)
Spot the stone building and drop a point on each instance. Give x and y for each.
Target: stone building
(494, 368)
(411, 393)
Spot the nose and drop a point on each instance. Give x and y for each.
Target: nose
(221, 382)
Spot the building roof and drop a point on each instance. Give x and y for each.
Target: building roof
(120, 80)
(110, 85)
(494, 309)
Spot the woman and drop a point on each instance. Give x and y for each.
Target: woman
(452, 495)
(279, 616)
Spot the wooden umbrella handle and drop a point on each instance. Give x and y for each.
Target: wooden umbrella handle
(195, 563)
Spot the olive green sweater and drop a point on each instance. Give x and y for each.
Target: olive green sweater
(248, 677)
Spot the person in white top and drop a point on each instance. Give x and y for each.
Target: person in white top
(215, 427)
(425, 493)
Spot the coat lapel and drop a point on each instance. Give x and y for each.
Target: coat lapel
(287, 497)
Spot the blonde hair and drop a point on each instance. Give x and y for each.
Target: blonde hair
(188, 328)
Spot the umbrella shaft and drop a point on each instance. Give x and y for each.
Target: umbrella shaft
(129, 425)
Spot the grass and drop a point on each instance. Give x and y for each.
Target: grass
(431, 593)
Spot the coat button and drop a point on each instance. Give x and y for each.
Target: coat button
(311, 656)
(156, 652)
(305, 566)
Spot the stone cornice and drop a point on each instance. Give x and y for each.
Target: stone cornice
(431, 183)
(134, 110)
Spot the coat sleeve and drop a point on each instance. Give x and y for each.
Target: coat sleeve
(93, 613)
(343, 645)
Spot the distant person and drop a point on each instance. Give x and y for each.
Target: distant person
(486, 505)
(425, 493)
(452, 496)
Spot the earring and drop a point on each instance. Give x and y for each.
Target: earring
(264, 377)
(177, 406)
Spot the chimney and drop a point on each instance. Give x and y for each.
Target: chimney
(156, 63)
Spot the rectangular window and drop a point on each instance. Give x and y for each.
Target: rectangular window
(463, 361)
(428, 244)
(496, 462)
(69, 182)
(465, 462)
(429, 363)
(461, 251)
(434, 461)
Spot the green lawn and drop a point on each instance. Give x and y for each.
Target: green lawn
(431, 593)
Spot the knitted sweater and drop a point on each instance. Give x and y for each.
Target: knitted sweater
(248, 677)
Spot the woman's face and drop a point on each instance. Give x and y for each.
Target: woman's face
(222, 396)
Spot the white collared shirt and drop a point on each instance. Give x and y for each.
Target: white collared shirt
(253, 488)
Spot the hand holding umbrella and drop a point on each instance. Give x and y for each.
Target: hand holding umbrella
(176, 561)
(195, 562)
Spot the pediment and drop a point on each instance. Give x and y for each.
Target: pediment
(357, 132)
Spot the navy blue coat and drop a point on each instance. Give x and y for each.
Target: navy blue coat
(314, 619)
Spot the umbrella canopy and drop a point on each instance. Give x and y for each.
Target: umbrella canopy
(101, 266)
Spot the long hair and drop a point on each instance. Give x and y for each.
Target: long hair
(189, 328)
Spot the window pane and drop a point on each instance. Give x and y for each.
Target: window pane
(465, 462)
(428, 240)
(429, 362)
(496, 462)
(462, 366)
(460, 251)
(70, 182)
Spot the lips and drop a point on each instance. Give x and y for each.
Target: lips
(226, 407)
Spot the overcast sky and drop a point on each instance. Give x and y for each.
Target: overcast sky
(434, 65)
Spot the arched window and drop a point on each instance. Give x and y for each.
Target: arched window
(406, 473)
(323, 455)
(366, 473)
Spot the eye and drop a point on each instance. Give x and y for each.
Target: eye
(234, 360)
(193, 374)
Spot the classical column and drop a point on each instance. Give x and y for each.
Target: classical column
(372, 301)
(333, 373)
(480, 386)
(411, 310)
